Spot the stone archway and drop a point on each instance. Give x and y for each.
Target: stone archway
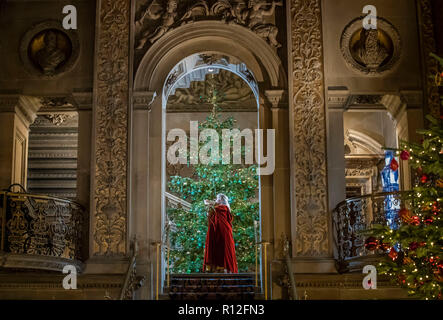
(154, 71)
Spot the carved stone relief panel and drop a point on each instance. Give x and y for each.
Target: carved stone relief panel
(428, 46)
(235, 94)
(154, 18)
(309, 134)
(109, 216)
(371, 52)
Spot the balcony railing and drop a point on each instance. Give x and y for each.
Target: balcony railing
(354, 215)
(39, 232)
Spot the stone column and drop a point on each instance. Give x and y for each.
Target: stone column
(281, 186)
(336, 152)
(17, 113)
(109, 178)
(310, 215)
(141, 221)
(281, 183)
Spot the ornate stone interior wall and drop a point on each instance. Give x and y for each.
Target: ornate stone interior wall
(312, 63)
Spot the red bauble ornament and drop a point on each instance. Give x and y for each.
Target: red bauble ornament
(394, 164)
(428, 220)
(402, 279)
(393, 254)
(424, 178)
(405, 215)
(371, 243)
(404, 155)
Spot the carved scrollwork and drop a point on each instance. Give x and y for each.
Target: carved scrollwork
(309, 135)
(111, 114)
(42, 226)
(357, 214)
(431, 65)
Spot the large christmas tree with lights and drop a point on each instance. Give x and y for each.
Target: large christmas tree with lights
(414, 249)
(237, 181)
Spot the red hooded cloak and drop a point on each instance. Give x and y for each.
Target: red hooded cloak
(220, 246)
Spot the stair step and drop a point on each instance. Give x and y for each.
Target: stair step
(212, 288)
(212, 296)
(214, 276)
(194, 282)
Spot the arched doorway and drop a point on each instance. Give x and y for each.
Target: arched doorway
(148, 125)
(209, 91)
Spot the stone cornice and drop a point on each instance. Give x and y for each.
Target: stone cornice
(83, 100)
(25, 107)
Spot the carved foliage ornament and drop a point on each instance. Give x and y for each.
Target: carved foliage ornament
(309, 133)
(111, 110)
(371, 52)
(431, 65)
(155, 19)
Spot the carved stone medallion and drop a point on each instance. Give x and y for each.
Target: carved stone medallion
(47, 49)
(371, 52)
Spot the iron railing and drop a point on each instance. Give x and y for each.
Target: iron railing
(39, 232)
(358, 214)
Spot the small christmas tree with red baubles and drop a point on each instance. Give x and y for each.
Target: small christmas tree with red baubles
(414, 249)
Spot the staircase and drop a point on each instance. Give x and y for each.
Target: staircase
(212, 286)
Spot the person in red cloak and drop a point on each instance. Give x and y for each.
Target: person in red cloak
(220, 246)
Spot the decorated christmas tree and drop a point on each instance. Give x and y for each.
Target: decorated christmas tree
(237, 181)
(414, 247)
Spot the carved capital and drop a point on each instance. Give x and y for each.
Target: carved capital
(395, 105)
(143, 100)
(25, 107)
(274, 97)
(83, 100)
